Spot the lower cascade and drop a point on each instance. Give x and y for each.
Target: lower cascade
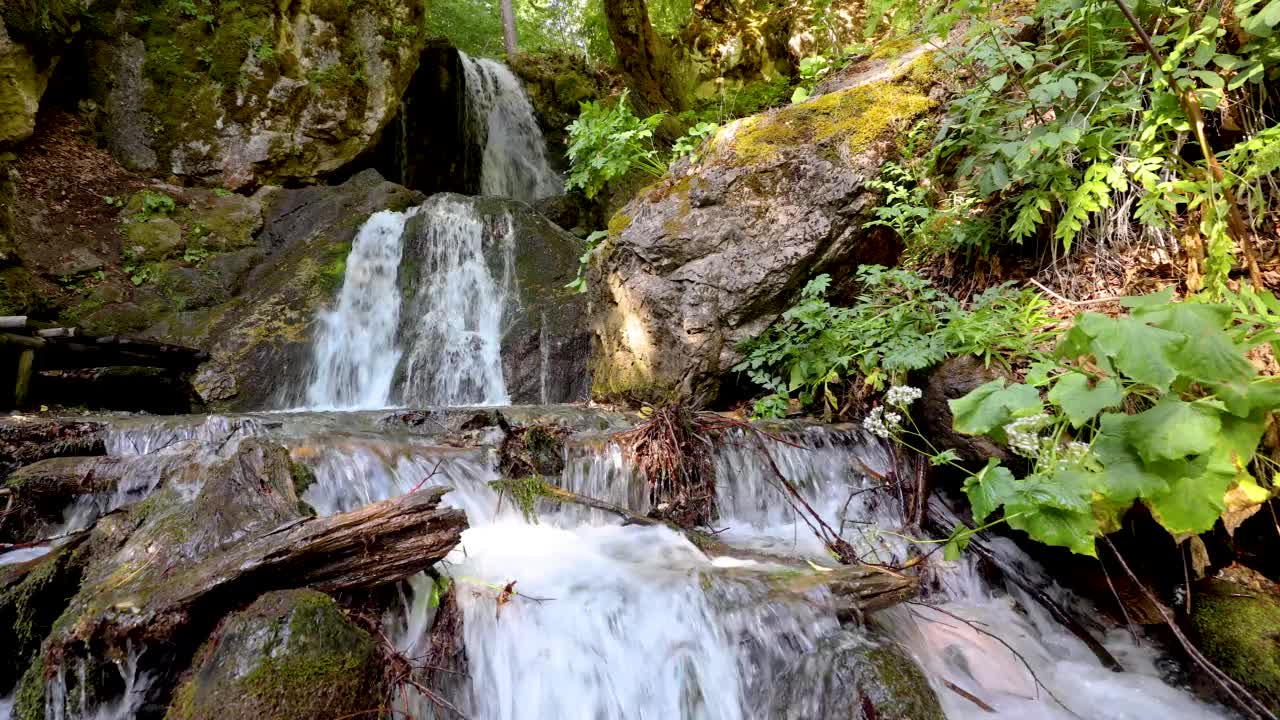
(551, 611)
(440, 347)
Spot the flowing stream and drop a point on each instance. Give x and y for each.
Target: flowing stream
(612, 621)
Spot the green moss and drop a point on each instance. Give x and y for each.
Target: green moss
(305, 658)
(618, 224)
(19, 293)
(1237, 627)
(850, 119)
(893, 48)
(28, 703)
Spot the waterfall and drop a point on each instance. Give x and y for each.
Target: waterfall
(355, 355)
(514, 157)
(455, 343)
(442, 347)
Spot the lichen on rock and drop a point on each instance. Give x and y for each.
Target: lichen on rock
(713, 253)
(252, 92)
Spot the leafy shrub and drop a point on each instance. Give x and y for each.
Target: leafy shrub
(1063, 134)
(606, 142)
(812, 69)
(899, 323)
(1159, 406)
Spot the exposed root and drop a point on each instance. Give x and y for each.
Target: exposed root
(673, 450)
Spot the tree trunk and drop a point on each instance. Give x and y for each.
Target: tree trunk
(644, 57)
(509, 27)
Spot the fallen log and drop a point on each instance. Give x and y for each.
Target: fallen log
(13, 322)
(376, 545)
(24, 441)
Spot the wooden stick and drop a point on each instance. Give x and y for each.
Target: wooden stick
(26, 363)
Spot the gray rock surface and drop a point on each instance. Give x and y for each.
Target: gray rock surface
(714, 252)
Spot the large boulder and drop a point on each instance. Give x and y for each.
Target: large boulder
(259, 341)
(22, 84)
(252, 92)
(713, 253)
(291, 654)
(545, 339)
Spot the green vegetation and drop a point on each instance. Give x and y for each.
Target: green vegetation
(608, 141)
(1082, 136)
(1159, 406)
(900, 323)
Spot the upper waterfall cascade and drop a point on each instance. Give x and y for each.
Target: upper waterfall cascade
(501, 121)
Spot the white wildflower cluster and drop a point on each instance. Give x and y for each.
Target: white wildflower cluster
(902, 395)
(1074, 453)
(881, 423)
(1024, 434)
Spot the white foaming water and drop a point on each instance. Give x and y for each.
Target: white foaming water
(447, 349)
(515, 156)
(617, 621)
(355, 353)
(455, 345)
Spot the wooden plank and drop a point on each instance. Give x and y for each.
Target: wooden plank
(26, 362)
(13, 322)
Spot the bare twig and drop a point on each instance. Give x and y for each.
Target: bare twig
(1056, 296)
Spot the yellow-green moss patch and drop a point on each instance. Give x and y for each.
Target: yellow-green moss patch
(852, 118)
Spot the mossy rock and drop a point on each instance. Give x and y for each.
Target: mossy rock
(29, 607)
(153, 239)
(188, 288)
(291, 654)
(117, 319)
(1237, 626)
(853, 677)
(19, 293)
(238, 94)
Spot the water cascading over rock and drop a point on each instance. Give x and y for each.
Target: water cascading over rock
(501, 121)
(459, 301)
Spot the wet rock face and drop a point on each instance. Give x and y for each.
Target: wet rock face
(248, 93)
(711, 255)
(291, 654)
(261, 337)
(545, 338)
(951, 380)
(850, 677)
(22, 83)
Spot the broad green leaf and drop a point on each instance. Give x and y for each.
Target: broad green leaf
(1242, 397)
(1142, 352)
(1080, 401)
(991, 406)
(1174, 429)
(1210, 355)
(1194, 500)
(1072, 529)
(989, 488)
(1124, 476)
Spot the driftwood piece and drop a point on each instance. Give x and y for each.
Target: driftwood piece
(24, 441)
